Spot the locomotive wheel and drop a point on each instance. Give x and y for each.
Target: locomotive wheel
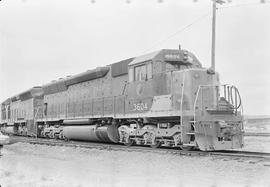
(156, 144)
(42, 134)
(56, 136)
(61, 136)
(51, 135)
(186, 148)
(46, 135)
(129, 142)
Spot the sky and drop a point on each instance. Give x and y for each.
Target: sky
(44, 40)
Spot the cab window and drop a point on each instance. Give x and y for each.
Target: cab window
(131, 74)
(149, 71)
(140, 73)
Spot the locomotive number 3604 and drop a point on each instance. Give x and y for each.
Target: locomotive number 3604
(140, 106)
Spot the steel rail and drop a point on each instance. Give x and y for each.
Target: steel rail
(137, 148)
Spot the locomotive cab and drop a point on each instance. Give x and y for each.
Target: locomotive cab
(149, 74)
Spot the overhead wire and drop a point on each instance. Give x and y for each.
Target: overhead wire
(199, 19)
(243, 4)
(178, 31)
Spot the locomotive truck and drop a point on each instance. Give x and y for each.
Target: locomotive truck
(164, 98)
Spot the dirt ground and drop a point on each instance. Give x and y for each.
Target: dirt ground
(257, 143)
(24, 164)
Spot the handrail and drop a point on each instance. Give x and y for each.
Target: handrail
(228, 95)
(182, 97)
(195, 101)
(236, 94)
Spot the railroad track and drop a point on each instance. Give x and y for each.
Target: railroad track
(117, 147)
(265, 134)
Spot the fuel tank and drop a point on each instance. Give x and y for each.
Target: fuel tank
(77, 122)
(92, 133)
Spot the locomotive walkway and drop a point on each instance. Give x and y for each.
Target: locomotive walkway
(236, 154)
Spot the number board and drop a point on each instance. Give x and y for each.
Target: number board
(139, 105)
(173, 57)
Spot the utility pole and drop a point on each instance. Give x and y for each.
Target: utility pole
(213, 35)
(213, 50)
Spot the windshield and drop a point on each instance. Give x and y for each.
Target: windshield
(175, 66)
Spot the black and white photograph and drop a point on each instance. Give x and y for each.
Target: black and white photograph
(137, 93)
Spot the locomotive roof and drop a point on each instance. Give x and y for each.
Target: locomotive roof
(120, 68)
(30, 93)
(62, 84)
(6, 102)
(88, 75)
(117, 69)
(145, 57)
(161, 55)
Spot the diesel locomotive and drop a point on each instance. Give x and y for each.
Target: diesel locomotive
(164, 98)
